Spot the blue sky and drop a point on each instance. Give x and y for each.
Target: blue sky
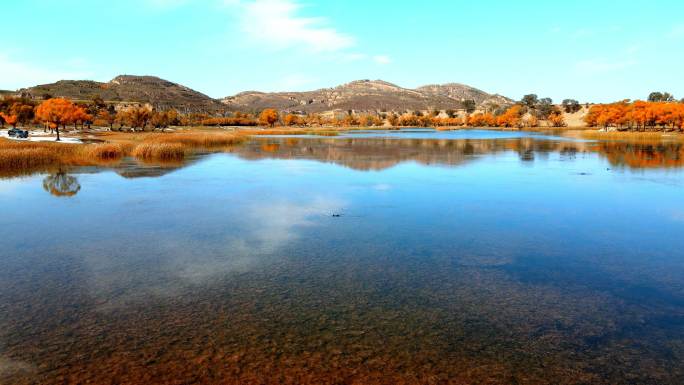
(589, 50)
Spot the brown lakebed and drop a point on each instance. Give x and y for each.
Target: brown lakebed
(409, 257)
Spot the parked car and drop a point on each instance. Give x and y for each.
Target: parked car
(17, 133)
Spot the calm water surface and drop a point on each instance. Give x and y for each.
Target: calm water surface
(376, 257)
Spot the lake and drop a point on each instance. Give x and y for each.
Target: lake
(375, 257)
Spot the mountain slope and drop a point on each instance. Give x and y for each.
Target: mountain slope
(365, 95)
(160, 93)
(360, 96)
(462, 92)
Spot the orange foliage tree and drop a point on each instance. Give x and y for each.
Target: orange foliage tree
(138, 117)
(511, 118)
(268, 117)
(79, 115)
(108, 117)
(56, 112)
(292, 120)
(481, 120)
(639, 114)
(556, 119)
(10, 119)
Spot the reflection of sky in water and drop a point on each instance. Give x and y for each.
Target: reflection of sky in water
(496, 238)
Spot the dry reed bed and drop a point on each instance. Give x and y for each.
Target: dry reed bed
(625, 135)
(18, 158)
(291, 131)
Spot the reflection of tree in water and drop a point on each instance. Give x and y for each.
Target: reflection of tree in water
(643, 155)
(61, 184)
(382, 153)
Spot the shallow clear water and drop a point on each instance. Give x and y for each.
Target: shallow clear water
(414, 257)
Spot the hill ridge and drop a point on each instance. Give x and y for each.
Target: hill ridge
(362, 95)
(365, 95)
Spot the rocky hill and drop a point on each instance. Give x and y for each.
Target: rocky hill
(462, 92)
(160, 93)
(365, 95)
(360, 96)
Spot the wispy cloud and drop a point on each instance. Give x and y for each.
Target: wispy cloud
(278, 24)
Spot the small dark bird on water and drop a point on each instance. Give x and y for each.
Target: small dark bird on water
(336, 215)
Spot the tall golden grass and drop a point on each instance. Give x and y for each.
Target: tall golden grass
(291, 131)
(159, 151)
(625, 135)
(196, 140)
(17, 158)
(105, 151)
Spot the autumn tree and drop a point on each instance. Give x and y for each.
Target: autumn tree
(22, 110)
(163, 119)
(556, 119)
(640, 115)
(367, 120)
(268, 117)
(393, 119)
(510, 118)
(291, 120)
(350, 120)
(9, 119)
(530, 121)
(481, 120)
(80, 115)
(56, 112)
(138, 117)
(314, 120)
(107, 117)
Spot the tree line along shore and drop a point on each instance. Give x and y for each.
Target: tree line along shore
(660, 112)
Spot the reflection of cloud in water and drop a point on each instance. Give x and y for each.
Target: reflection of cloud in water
(269, 226)
(382, 187)
(172, 263)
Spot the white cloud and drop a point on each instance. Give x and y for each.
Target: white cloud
(16, 74)
(277, 24)
(382, 59)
